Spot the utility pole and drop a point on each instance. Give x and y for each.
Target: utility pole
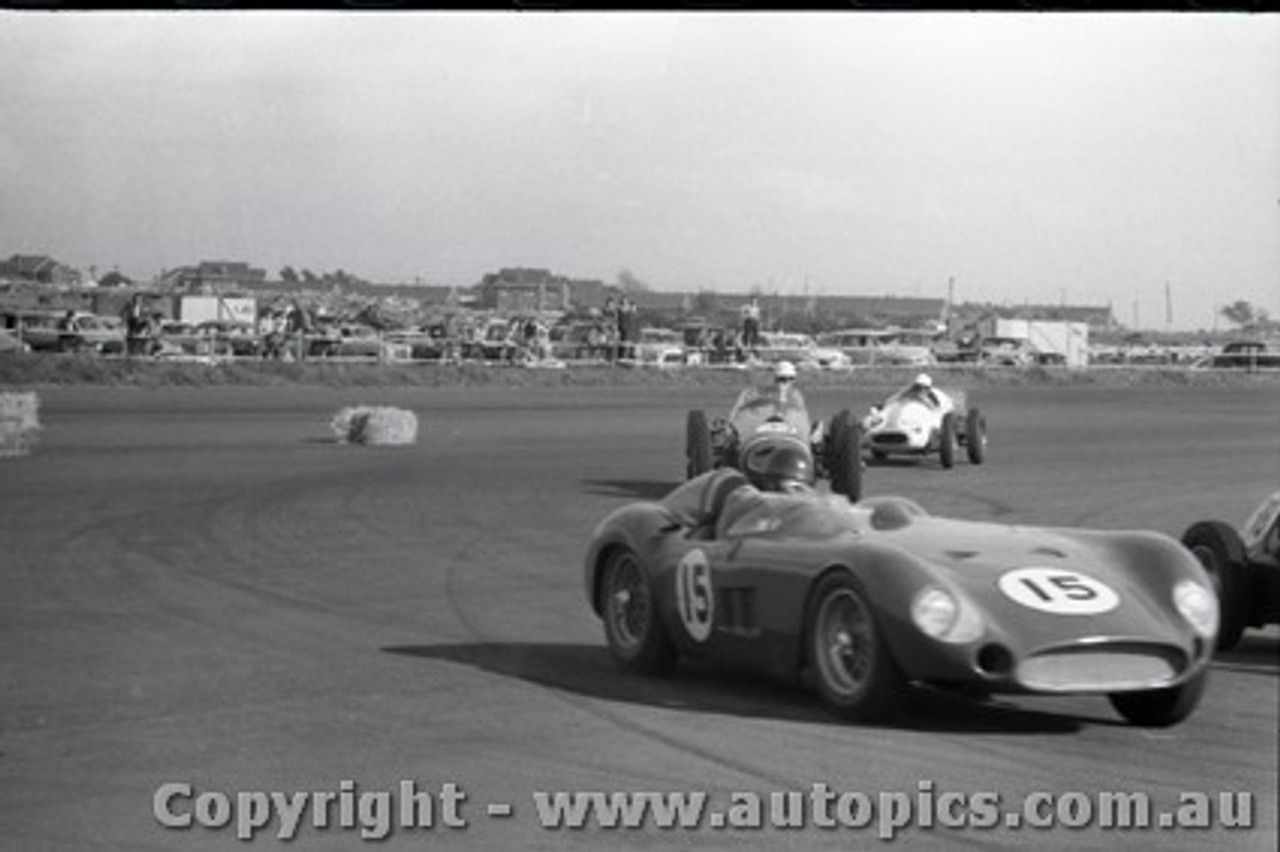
(951, 301)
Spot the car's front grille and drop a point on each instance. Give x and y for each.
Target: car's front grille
(1103, 668)
(889, 438)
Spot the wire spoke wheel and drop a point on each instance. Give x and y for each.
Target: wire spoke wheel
(630, 614)
(855, 671)
(847, 642)
(627, 604)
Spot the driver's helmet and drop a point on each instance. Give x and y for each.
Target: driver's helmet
(779, 467)
(783, 372)
(923, 382)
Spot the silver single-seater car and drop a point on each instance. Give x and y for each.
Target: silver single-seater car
(921, 420)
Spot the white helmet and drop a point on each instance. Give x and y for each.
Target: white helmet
(924, 381)
(784, 371)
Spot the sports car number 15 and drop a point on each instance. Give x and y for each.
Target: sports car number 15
(1058, 591)
(694, 597)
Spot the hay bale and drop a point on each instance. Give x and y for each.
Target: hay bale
(383, 425)
(19, 423)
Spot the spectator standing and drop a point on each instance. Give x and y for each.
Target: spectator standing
(611, 327)
(135, 325)
(627, 331)
(297, 326)
(751, 324)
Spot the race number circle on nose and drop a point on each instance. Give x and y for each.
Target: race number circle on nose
(694, 597)
(1058, 591)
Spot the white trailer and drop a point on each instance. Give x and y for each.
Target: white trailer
(236, 309)
(1067, 339)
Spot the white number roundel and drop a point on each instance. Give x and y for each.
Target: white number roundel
(1058, 591)
(694, 597)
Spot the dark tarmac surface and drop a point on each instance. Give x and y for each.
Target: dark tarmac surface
(199, 586)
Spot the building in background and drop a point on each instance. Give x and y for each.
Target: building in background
(39, 269)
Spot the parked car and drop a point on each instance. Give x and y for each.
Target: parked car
(425, 343)
(1246, 355)
(1006, 352)
(240, 339)
(800, 349)
(581, 340)
(659, 347)
(357, 342)
(874, 346)
(69, 331)
(10, 343)
(177, 340)
(494, 341)
(713, 345)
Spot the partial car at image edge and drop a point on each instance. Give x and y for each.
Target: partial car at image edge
(1244, 566)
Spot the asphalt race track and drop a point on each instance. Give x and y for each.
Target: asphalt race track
(200, 587)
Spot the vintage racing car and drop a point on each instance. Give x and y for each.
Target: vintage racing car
(921, 420)
(765, 418)
(1245, 568)
(863, 600)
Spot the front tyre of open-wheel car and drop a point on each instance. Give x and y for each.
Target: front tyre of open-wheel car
(947, 441)
(976, 436)
(632, 624)
(853, 669)
(1221, 553)
(1161, 708)
(844, 458)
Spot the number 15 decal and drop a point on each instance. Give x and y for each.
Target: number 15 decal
(694, 597)
(1058, 591)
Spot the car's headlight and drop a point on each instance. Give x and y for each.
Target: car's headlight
(1198, 605)
(941, 615)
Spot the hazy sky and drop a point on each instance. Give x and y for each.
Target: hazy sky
(1030, 157)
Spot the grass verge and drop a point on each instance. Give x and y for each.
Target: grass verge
(35, 371)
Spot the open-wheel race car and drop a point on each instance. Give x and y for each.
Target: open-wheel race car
(921, 420)
(1244, 566)
(865, 601)
(766, 421)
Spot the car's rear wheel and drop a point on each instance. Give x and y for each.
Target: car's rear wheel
(975, 436)
(947, 441)
(855, 673)
(697, 444)
(1218, 547)
(1160, 708)
(844, 455)
(632, 625)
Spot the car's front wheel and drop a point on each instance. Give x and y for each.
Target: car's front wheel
(855, 673)
(632, 625)
(1218, 547)
(1160, 708)
(975, 437)
(947, 441)
(844, 456)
